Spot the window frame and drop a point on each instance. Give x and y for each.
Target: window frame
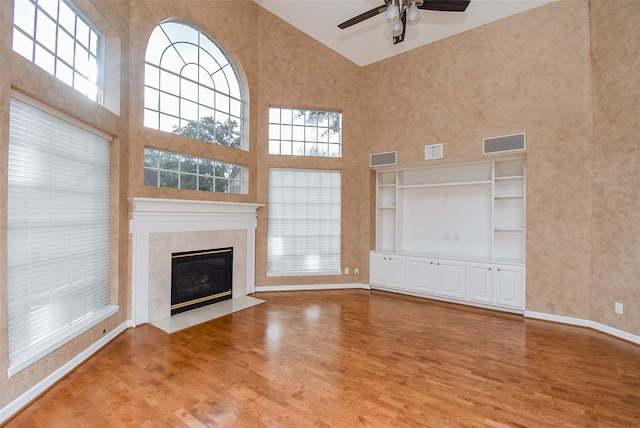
(40, 48)
(158, 169)
(167, 108)
(300, 134)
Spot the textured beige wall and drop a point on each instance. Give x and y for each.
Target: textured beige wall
(529, 73)
(296, 71)
(615, 49)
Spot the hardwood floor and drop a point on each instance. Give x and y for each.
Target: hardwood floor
(352, 358)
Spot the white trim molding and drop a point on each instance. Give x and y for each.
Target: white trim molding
(154, 215)
(579, 322)
(312, 287)
(47, 346)
(22, 401)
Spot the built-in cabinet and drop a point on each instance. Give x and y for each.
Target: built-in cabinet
(388, 270)
(453, 231)
(499, 285)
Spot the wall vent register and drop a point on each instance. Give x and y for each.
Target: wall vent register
(506, 143)
(384, 159)
(434, 151)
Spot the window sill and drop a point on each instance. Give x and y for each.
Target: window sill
(24, 359)
(305, 273)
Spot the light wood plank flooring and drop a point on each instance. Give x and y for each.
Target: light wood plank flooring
(352, 359)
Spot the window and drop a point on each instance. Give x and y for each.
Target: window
(304, 222)
(305, 132)
(57, 38)
(58, 230)
(191, 87)
(165, 169)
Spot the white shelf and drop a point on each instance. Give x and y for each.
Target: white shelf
(511, 177)
(509, 168)
(459, 183)
(387, 178)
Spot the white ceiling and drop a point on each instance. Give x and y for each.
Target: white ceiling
(370, 41)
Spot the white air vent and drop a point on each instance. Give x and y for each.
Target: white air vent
(506, 143)
(434, 151)
(383, 159)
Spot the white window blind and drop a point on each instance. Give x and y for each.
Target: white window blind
(304, 222)
(57, 231)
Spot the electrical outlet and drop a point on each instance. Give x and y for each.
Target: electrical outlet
(356, 271)
(619, 308)
(346, 271)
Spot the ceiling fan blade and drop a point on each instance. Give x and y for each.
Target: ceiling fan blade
(445, 5)
(369, 14)
(400, 38)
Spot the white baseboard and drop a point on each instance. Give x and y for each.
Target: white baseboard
(585, 323)
(16, 405)
(312, 287)
(529, 314)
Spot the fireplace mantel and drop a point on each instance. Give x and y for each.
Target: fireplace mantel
(150, 216)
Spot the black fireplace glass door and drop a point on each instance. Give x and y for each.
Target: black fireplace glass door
(200, 278)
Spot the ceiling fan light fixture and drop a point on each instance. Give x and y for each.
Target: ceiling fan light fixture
(396, 27)
(393, 12)
(413, 14)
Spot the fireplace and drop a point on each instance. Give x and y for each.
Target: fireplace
(161, 227)
(200, 278)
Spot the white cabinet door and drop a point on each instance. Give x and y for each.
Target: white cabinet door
(450, 279)
(421, 275)
(379, 269)
(508, 286)
(388, 270)
(397, 271)
(480, 282)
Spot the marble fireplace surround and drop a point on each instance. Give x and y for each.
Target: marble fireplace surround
(160, 227)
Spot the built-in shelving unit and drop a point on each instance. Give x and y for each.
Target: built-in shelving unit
(446, 228)
(509, 211)
(386, 210)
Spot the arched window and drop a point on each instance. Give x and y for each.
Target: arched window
(191, 87)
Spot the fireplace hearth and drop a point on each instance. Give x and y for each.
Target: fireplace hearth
(200, 278)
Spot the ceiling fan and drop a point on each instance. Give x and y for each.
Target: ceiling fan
(401, 12)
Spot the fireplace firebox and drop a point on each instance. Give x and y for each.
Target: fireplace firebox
(200, 278)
